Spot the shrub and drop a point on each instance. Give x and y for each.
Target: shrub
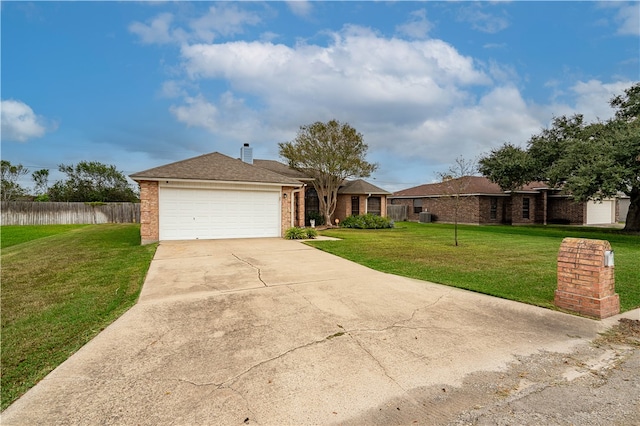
(367, 221)
(317, 216)
(297, 233)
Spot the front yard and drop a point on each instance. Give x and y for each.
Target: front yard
(61, 285)
(512, 262)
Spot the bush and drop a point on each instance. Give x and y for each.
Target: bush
(297, 233)
(367, 221)
(317, 216)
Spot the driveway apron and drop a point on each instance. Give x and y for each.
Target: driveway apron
(273, 332)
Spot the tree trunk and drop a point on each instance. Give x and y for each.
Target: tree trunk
(632, 223)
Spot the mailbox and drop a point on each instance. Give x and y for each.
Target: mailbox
(586, 281)
(608, 258)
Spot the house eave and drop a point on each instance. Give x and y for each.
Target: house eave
(227, 182)
(483, 194)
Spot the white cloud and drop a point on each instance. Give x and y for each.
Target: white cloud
(20, 123)
(173, 89)
(158, 31)
(593, 96)
(223, 19)
(628, 18)
(301, 8)
(417, 27)
(483, 21)
(411, 99)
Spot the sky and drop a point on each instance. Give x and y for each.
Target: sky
(142, 84)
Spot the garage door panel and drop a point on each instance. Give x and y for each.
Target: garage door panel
(600, 212)
(212, 214)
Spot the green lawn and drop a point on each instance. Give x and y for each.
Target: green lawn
(61, 285)
(13, 234)
(512, 262)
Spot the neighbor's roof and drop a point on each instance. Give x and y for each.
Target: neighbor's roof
(214, 166)
(469, 185)
(283, 169)
(360, 186)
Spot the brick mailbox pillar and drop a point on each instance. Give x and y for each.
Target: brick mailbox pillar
(586, 281)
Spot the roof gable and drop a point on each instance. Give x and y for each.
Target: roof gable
(360, 186)
(216, 167)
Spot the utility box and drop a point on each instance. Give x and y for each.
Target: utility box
(586, 281)
(425, 217)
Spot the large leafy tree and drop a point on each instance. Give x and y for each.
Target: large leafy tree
(591, 161)
(11, 174)
(90, 181)
(330, 153)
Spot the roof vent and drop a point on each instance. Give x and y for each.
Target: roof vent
(246, 154)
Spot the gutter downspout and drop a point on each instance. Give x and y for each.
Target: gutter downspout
(366, 205)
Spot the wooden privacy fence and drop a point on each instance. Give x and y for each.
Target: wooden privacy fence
(397, 212)
(48, 213)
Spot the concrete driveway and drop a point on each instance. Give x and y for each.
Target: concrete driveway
(273, 332)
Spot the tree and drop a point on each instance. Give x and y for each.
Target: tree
(11, 189)
(92, 181)
(330, 153)
(591, 161)
(41, 184)
(455, 185)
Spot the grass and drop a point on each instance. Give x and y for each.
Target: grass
(12, 235)
(61, 285)
(511, 262)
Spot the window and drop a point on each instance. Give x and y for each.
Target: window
(494, 208)
(417, 205)
(355, 206)
(374, 206)
(525, 208)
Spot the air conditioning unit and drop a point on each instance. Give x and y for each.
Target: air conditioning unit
(425, 217)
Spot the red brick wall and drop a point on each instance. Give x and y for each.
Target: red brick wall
(343, 207)
(442, 209)
(149, 214)
(517, 202)
(563, 209)
(585, 284)
(485, 210)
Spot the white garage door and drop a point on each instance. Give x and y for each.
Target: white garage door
(601, 213)
(194, 213)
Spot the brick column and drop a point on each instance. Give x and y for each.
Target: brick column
(585, 284)
(149, 212)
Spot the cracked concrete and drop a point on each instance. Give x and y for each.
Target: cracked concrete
(274, 332)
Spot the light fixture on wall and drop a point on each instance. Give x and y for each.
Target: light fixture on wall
(285, 195)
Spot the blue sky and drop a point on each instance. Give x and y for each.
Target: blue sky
(141, 84)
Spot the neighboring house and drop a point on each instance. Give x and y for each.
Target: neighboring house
(483, 202)
(214, 196)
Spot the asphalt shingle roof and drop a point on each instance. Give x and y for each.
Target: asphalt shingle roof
(360, 186)
(283, 169)
(470, 185)
(216, 167)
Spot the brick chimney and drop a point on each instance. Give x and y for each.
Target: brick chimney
(246, 154)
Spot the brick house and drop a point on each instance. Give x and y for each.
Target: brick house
(354, 197)
(214, 196)
(483, 202)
